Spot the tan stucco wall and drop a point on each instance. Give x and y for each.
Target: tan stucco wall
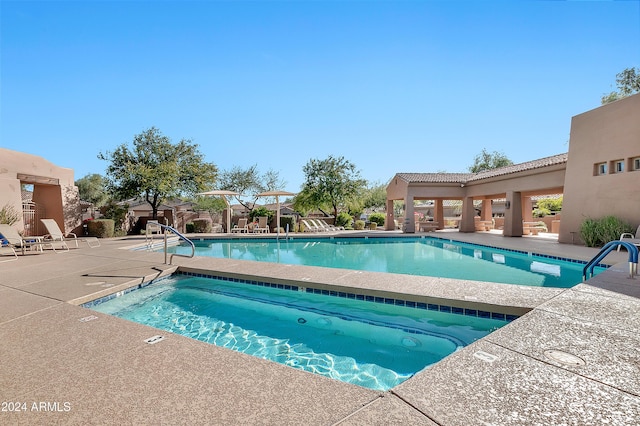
(60, 199)
(610, 132)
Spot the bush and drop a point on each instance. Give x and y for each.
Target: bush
(541, 212)
(260, 212)
(116, 212)
(9, 214)
(378, 218)
(344, 219)
(359, 225)
(202, 225)
(190, 228)
(598, 232)
(288, 220)
(551, 204)
(101, 228)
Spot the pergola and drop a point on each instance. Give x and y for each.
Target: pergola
(516, 183)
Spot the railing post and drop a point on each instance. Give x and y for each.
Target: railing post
(165, 245)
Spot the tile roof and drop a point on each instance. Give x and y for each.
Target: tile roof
(470, 177)
(435, 177)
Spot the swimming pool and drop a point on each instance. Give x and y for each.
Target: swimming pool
(414, 256)
(374, 345)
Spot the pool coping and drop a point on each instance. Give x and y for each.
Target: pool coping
(514, 379)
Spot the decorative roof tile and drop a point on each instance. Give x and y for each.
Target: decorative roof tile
(471, 177)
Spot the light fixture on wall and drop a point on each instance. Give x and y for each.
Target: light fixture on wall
(507, 204)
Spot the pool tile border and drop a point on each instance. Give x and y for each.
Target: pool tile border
(356, 296)
(363, 297)
(526, 253)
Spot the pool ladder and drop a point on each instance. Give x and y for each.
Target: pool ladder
(587, 271)
(166, 229)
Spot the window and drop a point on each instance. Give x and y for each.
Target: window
(634, 163)
(600, 169)
(617, 166)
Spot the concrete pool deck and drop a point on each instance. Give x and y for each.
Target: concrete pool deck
(574, 359)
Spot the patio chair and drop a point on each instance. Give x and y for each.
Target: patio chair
(331, 227)
(54, 234)
(241, 226)
(309, 227)
(318, 225)
(263, 225)
(11, 238)
(4, 247)
(630, 238)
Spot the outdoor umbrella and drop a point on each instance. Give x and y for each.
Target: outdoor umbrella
(276, 194)
(222, 193)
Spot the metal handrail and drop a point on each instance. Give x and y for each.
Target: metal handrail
(171, 229)
(605, 250)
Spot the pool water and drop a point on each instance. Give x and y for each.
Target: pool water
(368, 344)
(414, 256)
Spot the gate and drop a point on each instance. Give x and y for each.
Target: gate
(31, 215)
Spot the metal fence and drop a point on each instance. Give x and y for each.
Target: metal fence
(31, 215)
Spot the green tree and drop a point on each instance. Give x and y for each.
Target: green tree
(156, 169)
(333, 182)
(628, 82)
(210, 205)
(93, 189)
(489, 161)
(375, 196)
(249, 183)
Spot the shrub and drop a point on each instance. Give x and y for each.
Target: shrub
(598, 232)
(9, 214)
(118, 213)
(202, 225)
(288, 220)
(551, 204)
(190, 228)
(261, 211)
(541, 212)
(344, 219)
(359, 225)
(101, 228)
(378, 218)
(542, 226)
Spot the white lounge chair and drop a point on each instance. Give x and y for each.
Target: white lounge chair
(322, 227)
(263, 225)
(630, 238)
(55, 234)
(331, 227)
(16, 241)
(309, 227)
(6, 247)
(241, 226)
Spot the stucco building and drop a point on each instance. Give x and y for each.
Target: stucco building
(597, 178)
(53, 191)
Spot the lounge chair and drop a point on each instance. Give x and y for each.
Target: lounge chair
(630, 238)
(5, 246)
(54, 234)
(321, 226)
(263, 225)
(241, 226)
(11, 238)
(331, 227)
(309, 226)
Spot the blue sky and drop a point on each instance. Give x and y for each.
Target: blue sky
(410, 86)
